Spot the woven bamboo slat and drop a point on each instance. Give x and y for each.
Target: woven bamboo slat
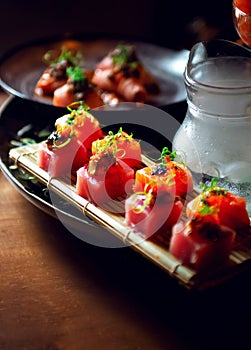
(156, 249)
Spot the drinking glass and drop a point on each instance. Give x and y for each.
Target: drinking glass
(242, 20)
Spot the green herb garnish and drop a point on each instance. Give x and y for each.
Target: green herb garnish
(147, 201)
(206, 210)
(167, 154)
(111, 143)
(52, 57)
(76, 73)
(124, 54)
(205, 187)
(212, 188)
(80, 107)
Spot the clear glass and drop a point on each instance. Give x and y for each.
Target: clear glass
(215, 136)
(242, 22)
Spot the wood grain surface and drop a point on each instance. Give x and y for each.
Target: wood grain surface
(60, 293)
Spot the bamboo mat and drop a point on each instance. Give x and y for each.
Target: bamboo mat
(155, 249)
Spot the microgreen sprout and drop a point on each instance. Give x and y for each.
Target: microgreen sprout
(52, 57)
(167, 155)
(124, 54)
(63, 144)
(111, 143)
(61, 137)
(81, 108)
(205, 187)
(76, 73)
(212, 187)
(147, 200)
(205, 208)
(167, 178)
(114, 137)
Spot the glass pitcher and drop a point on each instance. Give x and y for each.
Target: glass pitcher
(215, 136)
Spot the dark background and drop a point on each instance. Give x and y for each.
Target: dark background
(211, 321)
(174, 24)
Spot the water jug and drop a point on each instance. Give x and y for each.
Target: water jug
(215, 136)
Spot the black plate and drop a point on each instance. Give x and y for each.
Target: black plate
(21, 67)
(21, 118)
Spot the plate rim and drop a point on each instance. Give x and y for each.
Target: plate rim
(36, 200)
(50, 39)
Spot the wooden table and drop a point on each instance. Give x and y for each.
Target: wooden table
(60, 293)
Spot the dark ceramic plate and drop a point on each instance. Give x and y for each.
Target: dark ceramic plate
(21, 67)
(26, 119)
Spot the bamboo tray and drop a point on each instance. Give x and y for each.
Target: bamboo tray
(156, 249)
